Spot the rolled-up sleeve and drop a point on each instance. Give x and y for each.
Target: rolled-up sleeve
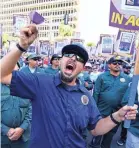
(23, 85)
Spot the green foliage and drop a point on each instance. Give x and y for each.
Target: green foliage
(65, 30)
(90, 44)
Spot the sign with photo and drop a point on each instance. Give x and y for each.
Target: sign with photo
(19, 21)
(132, 3)
(125, 41)
(106, 44)
(45, 47)
(31, 49)
(59, 45)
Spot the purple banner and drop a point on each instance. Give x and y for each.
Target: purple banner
(124, 14)
(125, 41)
(19, 21)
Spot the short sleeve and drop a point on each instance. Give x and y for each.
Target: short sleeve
(23, 85)
(94, 115)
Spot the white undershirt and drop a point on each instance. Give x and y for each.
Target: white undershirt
(32, 69)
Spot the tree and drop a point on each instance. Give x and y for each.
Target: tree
(90, 44)
(65, 30)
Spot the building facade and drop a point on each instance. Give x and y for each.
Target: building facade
(52, 10)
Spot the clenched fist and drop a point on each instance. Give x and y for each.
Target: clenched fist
(28, 35)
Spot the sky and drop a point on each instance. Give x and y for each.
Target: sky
(94, 19)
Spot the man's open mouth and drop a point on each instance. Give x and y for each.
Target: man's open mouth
(70, 67)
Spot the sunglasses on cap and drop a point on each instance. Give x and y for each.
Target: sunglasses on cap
(117, 62)
(70, 55)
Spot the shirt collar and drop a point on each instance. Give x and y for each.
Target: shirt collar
(57, 81)
(120, 75)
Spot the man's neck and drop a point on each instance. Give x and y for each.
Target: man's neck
(31, 67)
(73, 83)
(115, 73)
(55, 67)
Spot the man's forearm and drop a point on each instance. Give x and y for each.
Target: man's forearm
(104, 125)
(9, 61)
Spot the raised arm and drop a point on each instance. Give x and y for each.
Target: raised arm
(8, 62)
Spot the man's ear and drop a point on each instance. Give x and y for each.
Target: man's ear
(83, 68)
(109, 65)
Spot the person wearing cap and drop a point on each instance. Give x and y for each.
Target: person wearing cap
(108, 92)
(132, 138)
(54, 67)
(32, 66)
(15, 119)
(127, 69)
(84, 77)
(123, 135)
(62, 108)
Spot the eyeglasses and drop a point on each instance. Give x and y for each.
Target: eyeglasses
(70, 55)
(117, 62)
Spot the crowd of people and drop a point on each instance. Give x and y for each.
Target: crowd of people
(53, 104)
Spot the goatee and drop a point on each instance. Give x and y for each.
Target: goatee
(66, 79)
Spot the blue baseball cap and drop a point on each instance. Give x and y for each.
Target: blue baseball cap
(77, 49)
(115, 58)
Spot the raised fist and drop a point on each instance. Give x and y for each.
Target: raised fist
(28, 35)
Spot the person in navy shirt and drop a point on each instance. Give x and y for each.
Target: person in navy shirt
(61, 108)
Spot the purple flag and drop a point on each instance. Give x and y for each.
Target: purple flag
(36, 18)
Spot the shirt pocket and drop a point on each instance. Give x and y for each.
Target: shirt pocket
(6, 104)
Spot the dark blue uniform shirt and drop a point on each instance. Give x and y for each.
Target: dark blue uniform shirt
(60, 112)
